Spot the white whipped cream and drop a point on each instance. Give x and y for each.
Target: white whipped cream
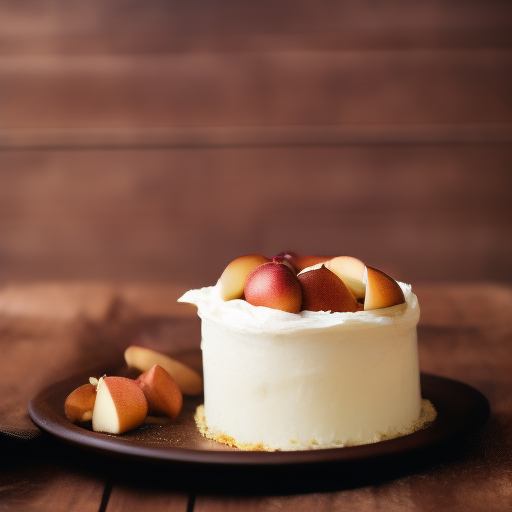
(241, 316)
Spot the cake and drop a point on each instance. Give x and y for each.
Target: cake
(343, 372)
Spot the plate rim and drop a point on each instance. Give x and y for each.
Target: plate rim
(440, 431)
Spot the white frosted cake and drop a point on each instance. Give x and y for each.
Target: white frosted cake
(277, 380)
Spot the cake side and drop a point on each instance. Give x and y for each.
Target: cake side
(427, 416)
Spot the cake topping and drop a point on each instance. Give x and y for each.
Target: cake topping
(275, 286)
(232, 280)
(292, 283)
(322, 290)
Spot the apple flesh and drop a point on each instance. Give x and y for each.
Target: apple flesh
(231, 282)
(80, 404)
(322, 290)
(382, 291)
(143, 359)
(162, 394)
(273, 285)
(351, 271)
(120, 405)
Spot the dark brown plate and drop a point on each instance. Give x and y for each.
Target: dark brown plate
(461, 411)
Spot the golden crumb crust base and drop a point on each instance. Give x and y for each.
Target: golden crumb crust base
(427, 416)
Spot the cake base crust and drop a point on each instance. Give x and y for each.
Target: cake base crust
(427, 416)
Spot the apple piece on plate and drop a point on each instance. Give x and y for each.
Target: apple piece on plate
(120, 405)
(273, 285)
(80, 404)
(323, 290)
(187, 379)
(232, 280)
(300, 261)
(382, 291)
(351, 271)
(162, 394)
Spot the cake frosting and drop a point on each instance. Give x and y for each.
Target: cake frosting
(283, 381)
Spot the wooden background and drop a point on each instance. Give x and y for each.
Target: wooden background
(154, 141)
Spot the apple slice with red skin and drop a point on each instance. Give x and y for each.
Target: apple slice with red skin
(80, 404)
(273, 285)
(162, 394)
(382, 291)
(323, 290)
(120, 405)
(300, 261)
(142, 358)
(232, 281)
(351, 271)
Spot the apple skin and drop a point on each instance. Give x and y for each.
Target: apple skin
(162, 394)
(273, 285)
(80, 404)
(382, 291)
(231, 282)
(143, 359)
(300, 261)
(120, 405)
(323, 290)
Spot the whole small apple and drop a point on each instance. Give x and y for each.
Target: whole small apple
(273, 285)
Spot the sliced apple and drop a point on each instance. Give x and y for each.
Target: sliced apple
(382, 291)
(300, 261)
(161, 391)
(232, 280)
(351, 271)
(80, 404)
(188, 380)
(323, 290)
(120, 405)
(273, 285)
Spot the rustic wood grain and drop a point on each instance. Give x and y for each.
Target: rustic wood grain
(199, 17)
(40, 485)
(128, 499)
(180, 215)
(199, 89)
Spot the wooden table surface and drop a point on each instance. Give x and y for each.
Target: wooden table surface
(48, 331)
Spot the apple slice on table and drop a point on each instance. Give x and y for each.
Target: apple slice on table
(232, 280)
(382, 291)
(187, 379)
(351, 271)
(80, 403)
(273, 285)
(161, 391)
(323, 290)
(120, 405)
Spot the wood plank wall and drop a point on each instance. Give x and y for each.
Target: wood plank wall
(157, 140)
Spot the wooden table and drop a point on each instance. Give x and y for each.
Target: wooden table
(49, 331)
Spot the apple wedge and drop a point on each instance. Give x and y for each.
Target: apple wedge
(162, 394)
(351, 271)
(382, 291)
(120, 405)
(323, 290)
(187, 379)
(80, 404)
(300, 261)
(232, 281)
